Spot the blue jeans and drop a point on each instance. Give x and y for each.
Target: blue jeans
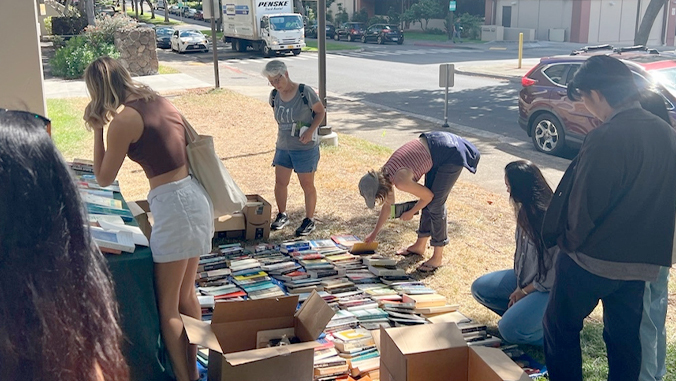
(652, 331)
(520, 323)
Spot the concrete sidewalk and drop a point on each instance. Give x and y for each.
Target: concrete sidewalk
(374, 123)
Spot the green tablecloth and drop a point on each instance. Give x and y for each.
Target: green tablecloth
(135, 292)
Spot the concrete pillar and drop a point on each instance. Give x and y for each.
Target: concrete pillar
(21, 85)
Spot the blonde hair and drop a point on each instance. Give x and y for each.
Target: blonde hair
(109, 85)
(384, 184)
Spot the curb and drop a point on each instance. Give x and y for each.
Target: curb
(487, 75)
(449, 46)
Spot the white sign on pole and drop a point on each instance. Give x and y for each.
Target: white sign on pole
(206, 8)
(446, 75)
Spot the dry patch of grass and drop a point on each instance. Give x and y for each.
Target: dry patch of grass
(481, 223)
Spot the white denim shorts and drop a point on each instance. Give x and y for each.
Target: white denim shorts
(184, 221)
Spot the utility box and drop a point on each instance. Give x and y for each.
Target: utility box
(558, 35)
(492, 33)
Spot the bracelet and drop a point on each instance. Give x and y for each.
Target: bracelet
(523, 291)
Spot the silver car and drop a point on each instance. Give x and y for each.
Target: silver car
(189, 40)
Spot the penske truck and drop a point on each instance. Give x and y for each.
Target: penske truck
(269, 27)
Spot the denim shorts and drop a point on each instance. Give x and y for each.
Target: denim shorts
(301, 161)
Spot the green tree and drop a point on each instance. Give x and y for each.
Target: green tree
(429, 9)
(361, 16)
(641, 37)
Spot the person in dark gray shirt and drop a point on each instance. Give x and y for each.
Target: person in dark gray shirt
(612, 215)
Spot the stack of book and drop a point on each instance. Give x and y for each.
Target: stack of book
(390, 272)
(291, 246)
(358, 347)
(361, 276)
(355, 300)
(401, 314)
(258, 285)
(338, 285)
(342, 320)
(303, 285)
(380, 291)
(331, 368)
(372, 318)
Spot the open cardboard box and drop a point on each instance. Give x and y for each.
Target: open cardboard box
(253, 222)
(438, 352)
(232, 338)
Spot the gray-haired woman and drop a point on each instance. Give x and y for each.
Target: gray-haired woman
(298, 112)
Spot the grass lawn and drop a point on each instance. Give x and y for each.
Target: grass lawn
(158, 20)
(167, 70)
(481, 223)
(219, 35)
(330, 45)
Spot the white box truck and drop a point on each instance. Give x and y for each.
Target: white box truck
(270, 27)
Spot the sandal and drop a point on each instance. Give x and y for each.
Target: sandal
(406, 253)
(427, 269)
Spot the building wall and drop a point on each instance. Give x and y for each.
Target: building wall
(586, 21)
(20, 57)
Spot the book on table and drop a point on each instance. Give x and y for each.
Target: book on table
(346, 240)
(425, 300)
(113, 239)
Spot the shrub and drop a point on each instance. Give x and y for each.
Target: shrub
(378, 20)
(471, 26)
(104, 30)
(48, 24)
(361, 16)
(435, 31)
(71, 60)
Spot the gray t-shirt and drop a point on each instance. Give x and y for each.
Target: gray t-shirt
(288, 114)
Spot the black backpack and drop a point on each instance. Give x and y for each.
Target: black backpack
(301, 90)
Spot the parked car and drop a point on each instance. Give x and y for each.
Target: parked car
(163, 37)
(161, 4)
(199, 15)
(311, 30)
(173, 9)
(350, 31)
(190, 13)
(188, 40)
(554, 122)
(382, 33)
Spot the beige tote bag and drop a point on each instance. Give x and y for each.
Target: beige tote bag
(209, 170)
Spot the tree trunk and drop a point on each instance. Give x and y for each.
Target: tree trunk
(641, 37)
(89, 12)
(166, 12)
(299, 6)
(124, 7)
(140, 5)
(152, 9)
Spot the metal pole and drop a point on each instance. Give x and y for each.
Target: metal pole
(520, 49)
(214, 43)
(321, 46)
(446, 103)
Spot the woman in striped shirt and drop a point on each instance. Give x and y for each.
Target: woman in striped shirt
(439, 156)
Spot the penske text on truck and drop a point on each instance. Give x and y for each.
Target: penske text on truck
(270, 27)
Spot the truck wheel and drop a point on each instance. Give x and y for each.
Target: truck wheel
(295, 52)
(266, 51)
(241, 46)
(233, 44)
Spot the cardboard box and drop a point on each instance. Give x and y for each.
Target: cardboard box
(252, 223)
(257, 214)
(232, 338)
(438, 352)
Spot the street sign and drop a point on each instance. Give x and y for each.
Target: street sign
(451, 6)
(446, 75)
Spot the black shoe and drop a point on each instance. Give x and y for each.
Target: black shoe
(281, 221)
(307, 227)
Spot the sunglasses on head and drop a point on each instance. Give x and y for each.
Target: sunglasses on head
(47, 122)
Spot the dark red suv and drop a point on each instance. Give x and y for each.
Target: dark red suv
(554, 122)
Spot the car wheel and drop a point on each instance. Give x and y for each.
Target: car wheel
(363, 39)
(548, 134)
(266, 51)
(206, 50)
(349, 38)
(295, 52)
(380, 40)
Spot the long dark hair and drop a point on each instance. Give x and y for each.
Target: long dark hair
(530, 195)
(58, 317)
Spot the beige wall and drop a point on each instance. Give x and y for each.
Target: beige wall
(610, 21)
(21, 84)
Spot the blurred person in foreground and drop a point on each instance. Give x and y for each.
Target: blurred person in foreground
(519, 295)
(612, 216)
(440, 157)
(146, 127)
(656, 294)
(58, 315)
(298, 113)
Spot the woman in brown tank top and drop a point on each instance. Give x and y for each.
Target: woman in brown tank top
(111, 87)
